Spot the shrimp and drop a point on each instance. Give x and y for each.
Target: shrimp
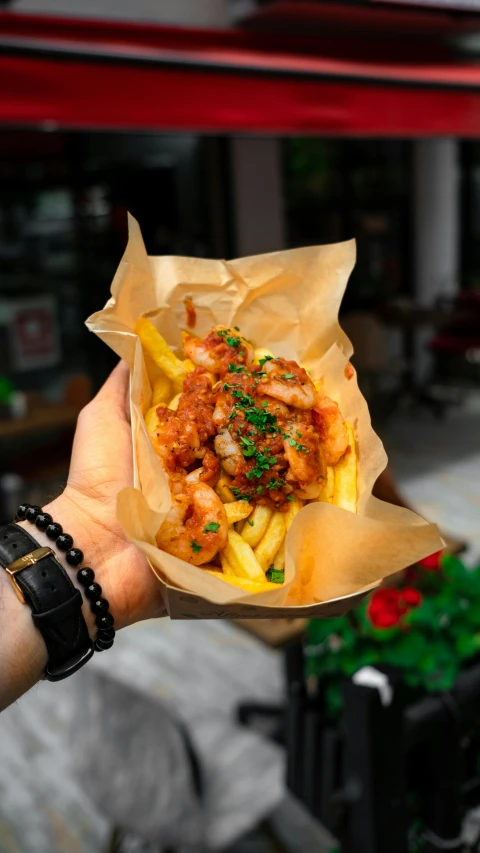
(196, 404)
(219, 348)
(228, 451)
(184, 532)
(175, 440)
(303, 454)
(207, 472)
(332, 429)
(289, 382)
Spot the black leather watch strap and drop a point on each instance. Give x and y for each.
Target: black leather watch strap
(55, 603)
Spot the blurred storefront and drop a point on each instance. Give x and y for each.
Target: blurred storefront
(226, 128)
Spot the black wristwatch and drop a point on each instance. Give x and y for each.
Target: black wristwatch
(40, 581)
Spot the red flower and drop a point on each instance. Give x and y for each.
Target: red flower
(387, 606)
(383, 608)
(432, 563)
(411, 596)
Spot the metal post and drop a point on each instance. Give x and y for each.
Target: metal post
(374, 773)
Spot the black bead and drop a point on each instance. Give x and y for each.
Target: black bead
(64, 542)
(106, 634)
(86, 576)
(93, 591)
(21, 513)
(103, 645)
(105, 620)
(32, 513)
(99, 605)
(53, 530)
(74, 557)
(43, 519)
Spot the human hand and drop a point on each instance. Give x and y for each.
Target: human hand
(101, 466)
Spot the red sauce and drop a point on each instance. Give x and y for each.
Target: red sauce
(191, 313)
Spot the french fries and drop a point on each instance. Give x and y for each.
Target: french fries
(226, 567)
(162, 391)
(237, 511)
(245, 583)
(326, 496)
(345, 491)
(259, 520)
(242, 559)
(159, 351)
(271, 541)
(256, 535)
(223, 490)
(293, 508)
(173, 404)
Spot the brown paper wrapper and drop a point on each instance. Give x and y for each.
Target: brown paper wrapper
(287, 301)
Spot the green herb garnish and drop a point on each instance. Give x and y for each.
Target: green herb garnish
(275, 575)
(264, 359)
(211, 527)
(236, 368)
(195, 546)
(251, 523)
(288, 376)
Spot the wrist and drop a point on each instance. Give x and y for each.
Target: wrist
(23, 652)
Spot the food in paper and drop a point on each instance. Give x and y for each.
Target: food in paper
(246, 439)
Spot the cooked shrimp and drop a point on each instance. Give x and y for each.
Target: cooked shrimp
(302, 451)
(332, 429)
(228, 451)
(289, 382)
(175, 440)
(184, 532)
(207, 472)
(218, 349)
(196, 404)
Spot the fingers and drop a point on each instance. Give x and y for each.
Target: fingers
(114, 392)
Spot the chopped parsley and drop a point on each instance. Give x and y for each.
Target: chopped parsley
(264, 359)
(291, 498)
(299, 433)
(211, 527)
(275, 484)
(299, 447)
(236, 328)
(251, 523)
(239, 495)
(232, 342)
(236, 368)
(248, 448)
(288, 376)
(275, 575)
(195, 546)
(262, 463)
(259, 490)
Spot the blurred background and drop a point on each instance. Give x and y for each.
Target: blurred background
(229, 128)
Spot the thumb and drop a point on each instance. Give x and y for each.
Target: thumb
(114, 392)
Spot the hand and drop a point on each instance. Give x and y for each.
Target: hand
(102, 465)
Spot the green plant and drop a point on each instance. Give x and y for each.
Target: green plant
(426, 627)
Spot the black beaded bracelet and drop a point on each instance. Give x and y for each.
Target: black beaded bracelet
(86, 576)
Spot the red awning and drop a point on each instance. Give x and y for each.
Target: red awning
(91, 74)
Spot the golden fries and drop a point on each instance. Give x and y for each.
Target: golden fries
(237, 511)
(223, 490)
(271, 541)
(259, 520)
(293, 507)
(326, 496)
(159, 351)
(345, 492)
(151, 421)
(173, 404)
(244, 583)
(226, 567)
(279, 559)
(242, 559)
(162, 391)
